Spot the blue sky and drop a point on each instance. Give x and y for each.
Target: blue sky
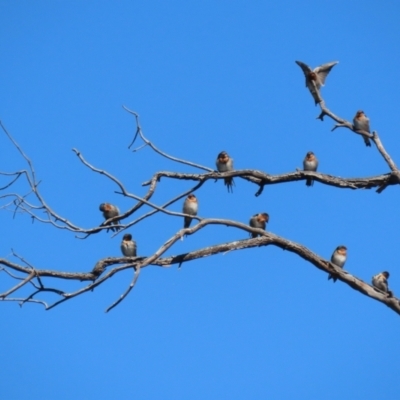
(204, 77)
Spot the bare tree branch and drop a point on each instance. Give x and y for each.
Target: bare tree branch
(138, 263)
(105, 268)
(140, 133)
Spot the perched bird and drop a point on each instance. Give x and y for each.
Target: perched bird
(128, 246)
(310, 163)
(380, 282)
(258, 221)
(338, 258)
(190, 206)
(224, 164)
(110, 211)
(316, 78)
(361, 123)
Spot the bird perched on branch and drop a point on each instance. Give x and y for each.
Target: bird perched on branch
(316, 78)
(338, 258)
(361, 123)
(380, 282)
(128, 246)
(190, 206)
(310, 163)
(110, 211)
(225, 164)
(258, 221)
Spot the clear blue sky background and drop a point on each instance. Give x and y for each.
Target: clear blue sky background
(205, 77)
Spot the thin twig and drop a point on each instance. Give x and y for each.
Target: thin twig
(148, 142)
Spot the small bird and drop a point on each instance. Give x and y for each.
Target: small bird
(110, 211)
(338, 258)
(316, 78)
(190, 206)
(380, 282)
(310, 163)
(258, 221)
(128, 246)
(361, 123)
(224, 164)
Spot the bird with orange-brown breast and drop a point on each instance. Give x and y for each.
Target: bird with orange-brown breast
(338, 258)
(315, 78)
(310, 163)
(224, 163)
(110, 211)
(361, 123)
(190, 206)
(258, 221)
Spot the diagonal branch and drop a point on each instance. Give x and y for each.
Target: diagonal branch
(155, 259)
(149, 143)
(342, 123)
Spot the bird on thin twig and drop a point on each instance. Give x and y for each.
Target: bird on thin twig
(258, 221)
(110, 211)
(316, 78)
(338, 258)
(361, 123)
(190, 206)
(225, 164)
(310, 163)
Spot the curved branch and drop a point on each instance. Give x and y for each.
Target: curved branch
(155, 259)
(99, 274)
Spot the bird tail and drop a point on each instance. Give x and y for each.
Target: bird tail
(332, 277)
(229, 183)
(309, 182)
(187, 222)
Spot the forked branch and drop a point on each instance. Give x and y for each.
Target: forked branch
(32, 203)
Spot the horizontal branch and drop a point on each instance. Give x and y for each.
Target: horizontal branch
(261, 178)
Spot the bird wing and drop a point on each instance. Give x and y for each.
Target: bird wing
(306, 69)
(323, 70)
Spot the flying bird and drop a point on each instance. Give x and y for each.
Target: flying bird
(338, 258)
(190, 206)
(316, 78)
(380, 282)
(361, 123)
(258, 221)
(128, 246)
(110, 211)
(310, 163)
(224, 164)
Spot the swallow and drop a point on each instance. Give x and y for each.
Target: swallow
(338, 258)
(380, 282)
(224, 164)
(258, 221)
(190, 206)
(316, 78)
(310, 163)
(128, 246)
(361, 123)
(110, 211)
